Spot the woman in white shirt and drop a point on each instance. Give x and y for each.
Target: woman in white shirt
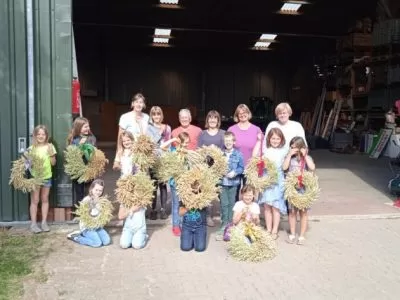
(135, 121)
(289, 128)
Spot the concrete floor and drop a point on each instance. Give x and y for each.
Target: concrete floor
(351, 184)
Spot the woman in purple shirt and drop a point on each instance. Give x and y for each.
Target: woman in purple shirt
(212, 135)
(245, 132)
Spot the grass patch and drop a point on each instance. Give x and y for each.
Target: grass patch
(17, 256)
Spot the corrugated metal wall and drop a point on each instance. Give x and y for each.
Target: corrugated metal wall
(13, 111)
(53, 74)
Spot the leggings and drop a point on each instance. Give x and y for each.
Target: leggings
(163, 196)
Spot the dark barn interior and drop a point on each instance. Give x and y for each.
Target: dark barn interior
(210, 61)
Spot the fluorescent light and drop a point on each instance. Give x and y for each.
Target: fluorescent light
(262, 44)
(169, 1)
(267, 36)
(290, 7)
(162, 32)
(159, 40)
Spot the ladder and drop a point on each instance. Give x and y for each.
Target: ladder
(319, 108)
(333, 117)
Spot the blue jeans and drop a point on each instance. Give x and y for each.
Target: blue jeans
(227, 198)
(94, 238)
(175, 207)
(134, 232)
(194, 233)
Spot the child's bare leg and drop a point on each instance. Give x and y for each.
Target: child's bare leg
(34, 205)
(303, 222)
(268, 217)
(276, 219)
(292, 221)
(45, 202)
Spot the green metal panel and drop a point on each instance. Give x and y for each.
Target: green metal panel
(53, 75)
(53, 45)
(13, 111)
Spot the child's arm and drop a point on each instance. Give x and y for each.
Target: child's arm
(52, 153)
(237, 216)
(164, 146)
(117, 162)
(288, 157)
(240, 167)
(123, 212)
(257, 147)
(310, 163)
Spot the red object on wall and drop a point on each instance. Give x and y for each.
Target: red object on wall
(76, 96)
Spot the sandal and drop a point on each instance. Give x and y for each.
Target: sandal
(291, 239)
(301, 240)
(274, 236)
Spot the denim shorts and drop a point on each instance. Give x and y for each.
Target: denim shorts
(47, 183)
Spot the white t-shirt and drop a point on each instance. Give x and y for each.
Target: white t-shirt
(129, 123)
(254, 208)
(290, 130)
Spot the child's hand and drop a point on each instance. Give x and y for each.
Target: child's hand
(293, 151)
(117, 166)
(83, 140)
(303, 152)
(182, 211)
(230, 174)
(50, 151)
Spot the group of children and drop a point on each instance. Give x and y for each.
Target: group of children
(190, 225)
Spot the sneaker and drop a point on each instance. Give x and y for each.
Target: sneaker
(75, 220)
(210, 222)
(163, 214)
(153, 215)
(45, 227)
(73, 236)
(301, 240)
(35, 228)
(219, 236)
(291, 239)
(176, 230)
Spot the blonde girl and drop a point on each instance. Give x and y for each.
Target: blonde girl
(273, 197)
(45, 150)
(123, 160)
(80, 134)
(160, 133)
(246, 209)
(298, 159)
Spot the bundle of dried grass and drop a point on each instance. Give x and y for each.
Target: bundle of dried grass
(96, 166)
(170, 165)
(249, 242)
(74, 164)
(269, 170)
(301, 197)
(135, 190)
(21, 170)
(197, 187)
(144, 153)
(95, 213)
(76, 167)
(215, 158)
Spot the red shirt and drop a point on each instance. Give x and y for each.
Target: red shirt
(194, 133)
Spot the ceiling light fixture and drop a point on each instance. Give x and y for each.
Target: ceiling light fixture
(268, 36)
(174, 2)
(162, 32)
(262, 44)
(292, 7)
(159, 40)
